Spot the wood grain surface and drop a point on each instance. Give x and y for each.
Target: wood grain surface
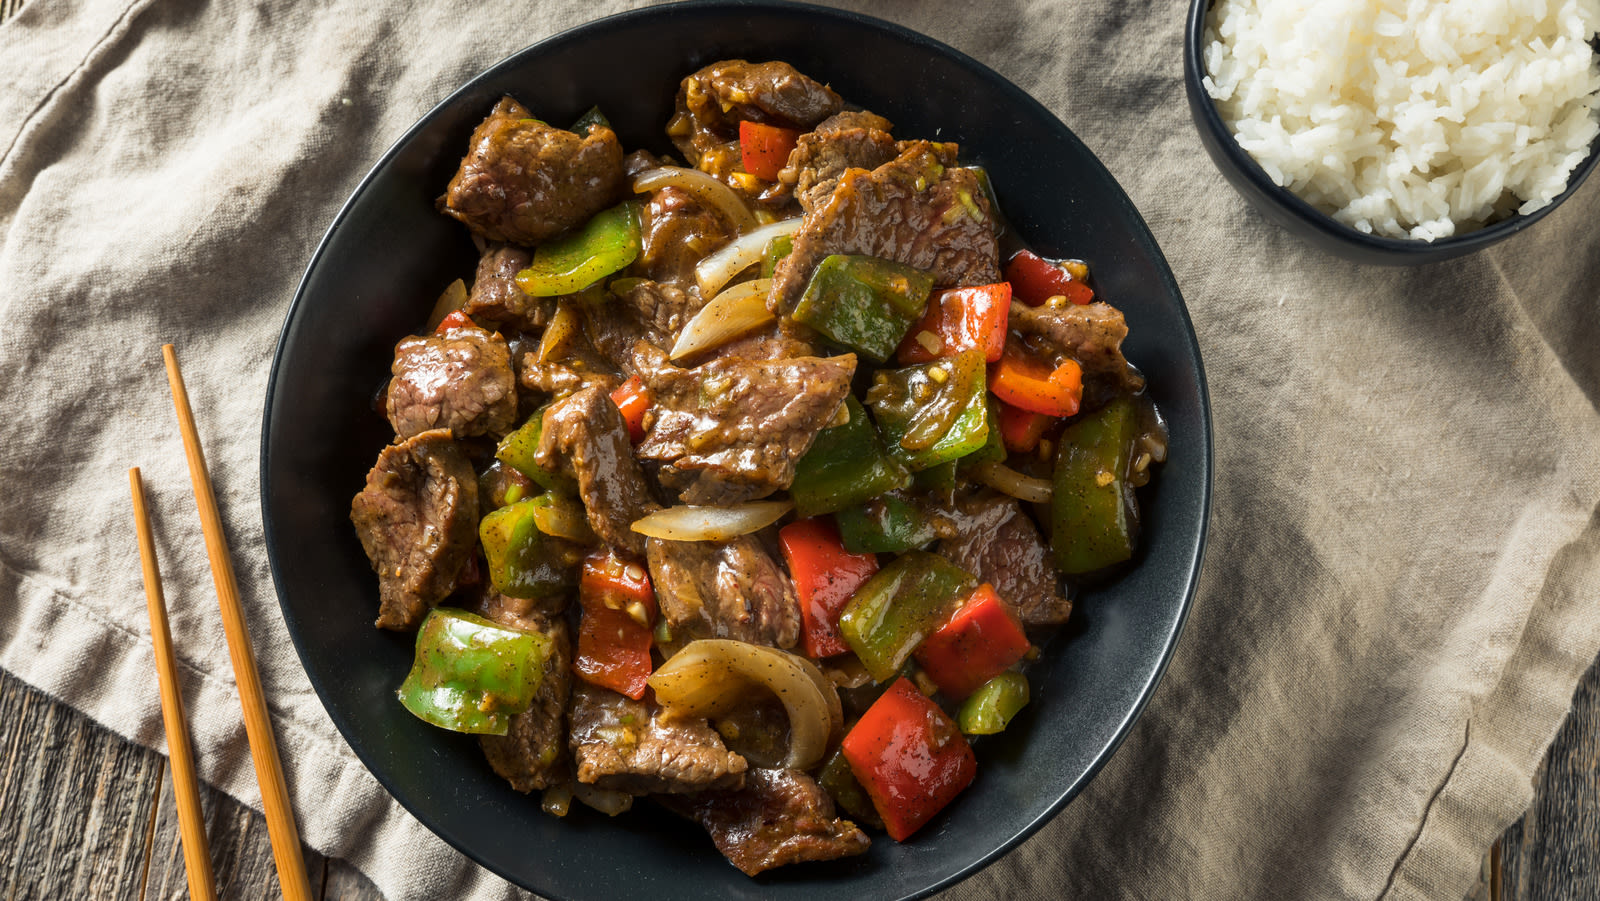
(84, 814)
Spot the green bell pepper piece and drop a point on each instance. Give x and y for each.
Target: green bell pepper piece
(989, 709)
(524, 562)
(471, 675)
(890, 615)
(887, 524)
(518, 450)
(846, 464)
(937, 482)
(1093, 517)
(994, 446)
(777, 249)
(840, 783)
(606, 243)
(927, 420)
(592, 117)
(864, 303)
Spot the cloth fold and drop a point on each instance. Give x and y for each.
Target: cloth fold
(1400, 588)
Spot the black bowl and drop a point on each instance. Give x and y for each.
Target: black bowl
(1285, 208)
(388, 253)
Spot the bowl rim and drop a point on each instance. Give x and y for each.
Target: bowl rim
(1205, 108)
(1203, 448)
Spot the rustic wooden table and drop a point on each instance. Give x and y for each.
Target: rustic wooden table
(84, 814)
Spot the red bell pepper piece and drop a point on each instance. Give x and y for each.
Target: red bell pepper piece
(618, 610)
(764, 149)
(633, 399)
(1021, 429)
(825, 577)
(978, 642)
(1023, 381)
(909, 757)
(1035, 280)
(452, 320)
(960, 319)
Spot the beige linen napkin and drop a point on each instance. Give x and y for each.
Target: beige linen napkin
(1404, 563)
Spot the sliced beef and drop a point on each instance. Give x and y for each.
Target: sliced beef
(712, 102)
(566, 361)
(919, 209)
(525, 182)
(561, 379)
(633, 746)
(1091, 334)
(584, 433)
(733, 429)
(733, 589)
(664, 309)
(417, 518)
(496, 298)
(645, 312)
(987, 534)
(850, 140)
(533, 754)
(770, 343)
(460, 380)
(675, 232)
(779, 817)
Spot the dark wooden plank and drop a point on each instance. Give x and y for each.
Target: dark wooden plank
(85, 814)
(75, 802)
(1553, 852)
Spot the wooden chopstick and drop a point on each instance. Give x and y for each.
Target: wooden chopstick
(257, 724)
(185, 785)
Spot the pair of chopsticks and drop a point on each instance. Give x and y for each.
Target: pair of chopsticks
(258, 727)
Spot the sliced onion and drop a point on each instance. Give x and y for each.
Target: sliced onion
(712, 676)
(704, 187)
(608, 801)
(730, 314)
(453, 298)
(1008, 481)
(564, 328)
(738, 255)
(564, 519)
(686, 523)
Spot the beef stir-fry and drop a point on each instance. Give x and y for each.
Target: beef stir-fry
(750, 481)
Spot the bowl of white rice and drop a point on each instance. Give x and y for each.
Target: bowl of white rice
(1398, 131)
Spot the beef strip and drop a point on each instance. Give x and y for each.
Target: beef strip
(987, 534)
(1091, 334)
(849, 140)
(560, 379)
(634, 746)
(636, 330)
(533, 753)
(664, 309)
(525, 182)
(713, 101)
(586, 434)
(566, 361)
(919, 209)
(417, 518)
(460, 380)
(733, 429)
(779, 817)
(733, 589)
(495, 297)
(675, 232)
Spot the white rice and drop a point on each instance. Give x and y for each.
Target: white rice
(1410, 118)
